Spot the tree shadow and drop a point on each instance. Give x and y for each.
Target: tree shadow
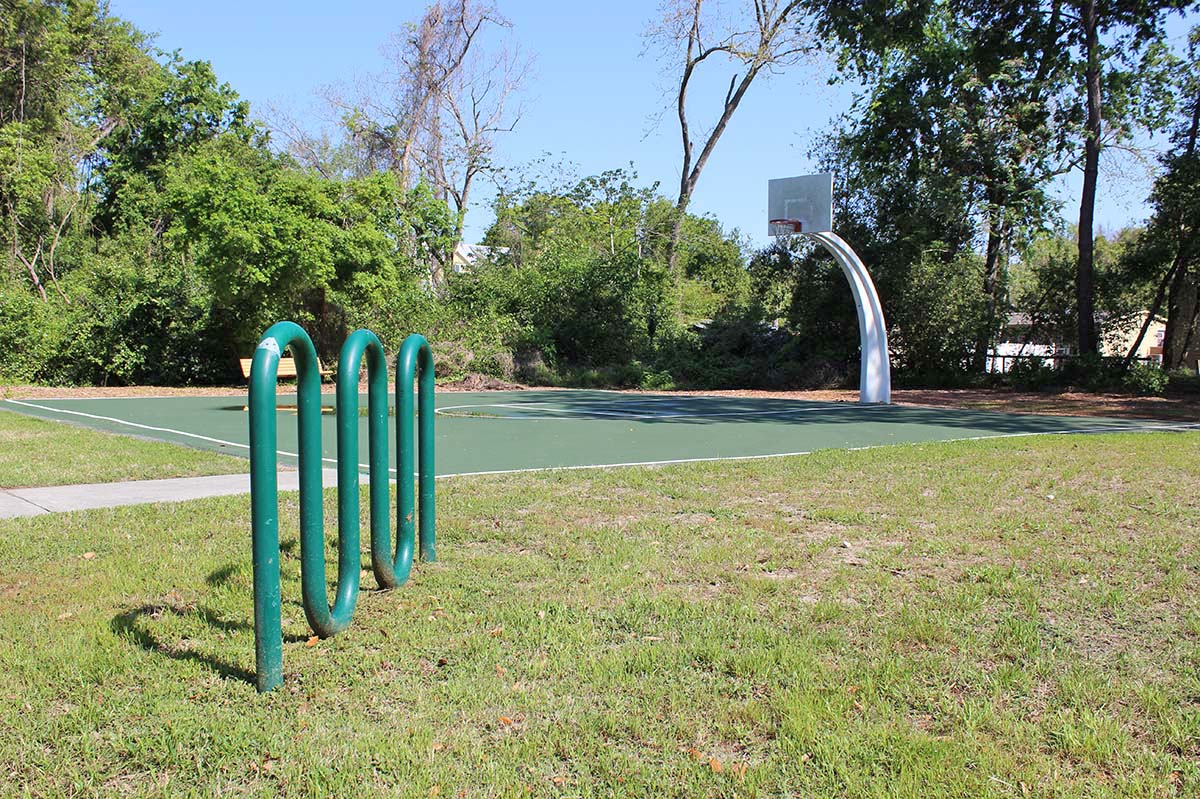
(780, 413)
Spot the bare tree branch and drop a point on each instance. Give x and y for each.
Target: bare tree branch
(775, 40)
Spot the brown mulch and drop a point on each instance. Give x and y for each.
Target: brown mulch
(1173, 408)
(472, 382)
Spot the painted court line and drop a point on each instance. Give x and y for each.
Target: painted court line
(171, 430)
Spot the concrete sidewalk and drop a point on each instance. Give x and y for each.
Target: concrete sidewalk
(15, 502)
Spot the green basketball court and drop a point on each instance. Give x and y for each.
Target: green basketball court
(510, 431)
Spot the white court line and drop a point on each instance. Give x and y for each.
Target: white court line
(172, 430)
(1107, 429)
(643, 416)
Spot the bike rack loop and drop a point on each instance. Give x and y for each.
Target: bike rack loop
(415, 362)
(389, 572)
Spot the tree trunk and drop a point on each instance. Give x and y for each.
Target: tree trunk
(991, 275)
(1182, 336)
(1182, 309)
(1153, 312)
(676, 236)
(1084, 291)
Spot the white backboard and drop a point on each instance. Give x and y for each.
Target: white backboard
(807, 198)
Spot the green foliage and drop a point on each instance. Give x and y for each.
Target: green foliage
(27, 333)
(1145, 379)
(1088, 373)
(1043, 285)
(182, 107)
(1031, 374)
(584, 282)
(151, 233)
(937, 315)
(276, 243)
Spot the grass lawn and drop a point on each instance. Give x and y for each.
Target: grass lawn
(1005, 618)
(34, 452)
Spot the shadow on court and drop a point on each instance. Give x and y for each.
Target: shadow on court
(705, 411)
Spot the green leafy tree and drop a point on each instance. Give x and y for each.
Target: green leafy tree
(1004, 97)
(1170, 247)
(67, 72)
(182, 106)
(1119, 48)
(273, 242)
(952, 141)
(585, 277)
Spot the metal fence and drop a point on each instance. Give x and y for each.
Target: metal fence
(1002, 364)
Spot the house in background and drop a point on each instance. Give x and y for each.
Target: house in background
(1021, 339)
(1118, 343)
(464, 258)
(467, 256)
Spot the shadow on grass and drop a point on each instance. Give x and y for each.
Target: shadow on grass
(130, 625)
(223, 575)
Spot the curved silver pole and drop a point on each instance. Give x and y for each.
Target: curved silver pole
(875, 374)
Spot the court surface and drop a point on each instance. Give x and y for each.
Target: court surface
(511, 431)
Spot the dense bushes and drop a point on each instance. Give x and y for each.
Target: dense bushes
(1086, 373)
(113, 324)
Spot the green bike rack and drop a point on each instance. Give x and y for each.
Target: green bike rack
(415, 362)
(264, 489)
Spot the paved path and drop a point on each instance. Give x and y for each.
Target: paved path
(16, 502)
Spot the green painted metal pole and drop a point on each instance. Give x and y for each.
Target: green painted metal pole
(264, 496)
(388, 572)
(415, 362)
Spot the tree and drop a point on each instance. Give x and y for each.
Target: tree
(1171, 243)
(1118, 47)
(67, 73)
(434, 116)
(274, 242)
(1061, 80)
(764, 35)
(182, 106)
(954, 105)
(584, 275)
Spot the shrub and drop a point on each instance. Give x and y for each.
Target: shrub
(1031, 374)
(1183, 381)
(29, 333)
(1145, 379)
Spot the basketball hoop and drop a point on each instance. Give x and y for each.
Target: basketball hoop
(785, 227)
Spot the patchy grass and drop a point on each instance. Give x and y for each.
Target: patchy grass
(35, 452)
(1003, 618)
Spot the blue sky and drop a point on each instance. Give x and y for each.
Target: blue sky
(590, 101)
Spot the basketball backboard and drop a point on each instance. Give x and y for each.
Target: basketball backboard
(801, 204)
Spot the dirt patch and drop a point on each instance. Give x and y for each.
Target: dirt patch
(102, 392)
(1174, 408)
(472, 382)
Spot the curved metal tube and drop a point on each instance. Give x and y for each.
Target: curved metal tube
(360, 344)
(875, 373)
(415, 361)
(264, 505)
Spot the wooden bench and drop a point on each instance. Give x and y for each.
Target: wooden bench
(287, 368)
